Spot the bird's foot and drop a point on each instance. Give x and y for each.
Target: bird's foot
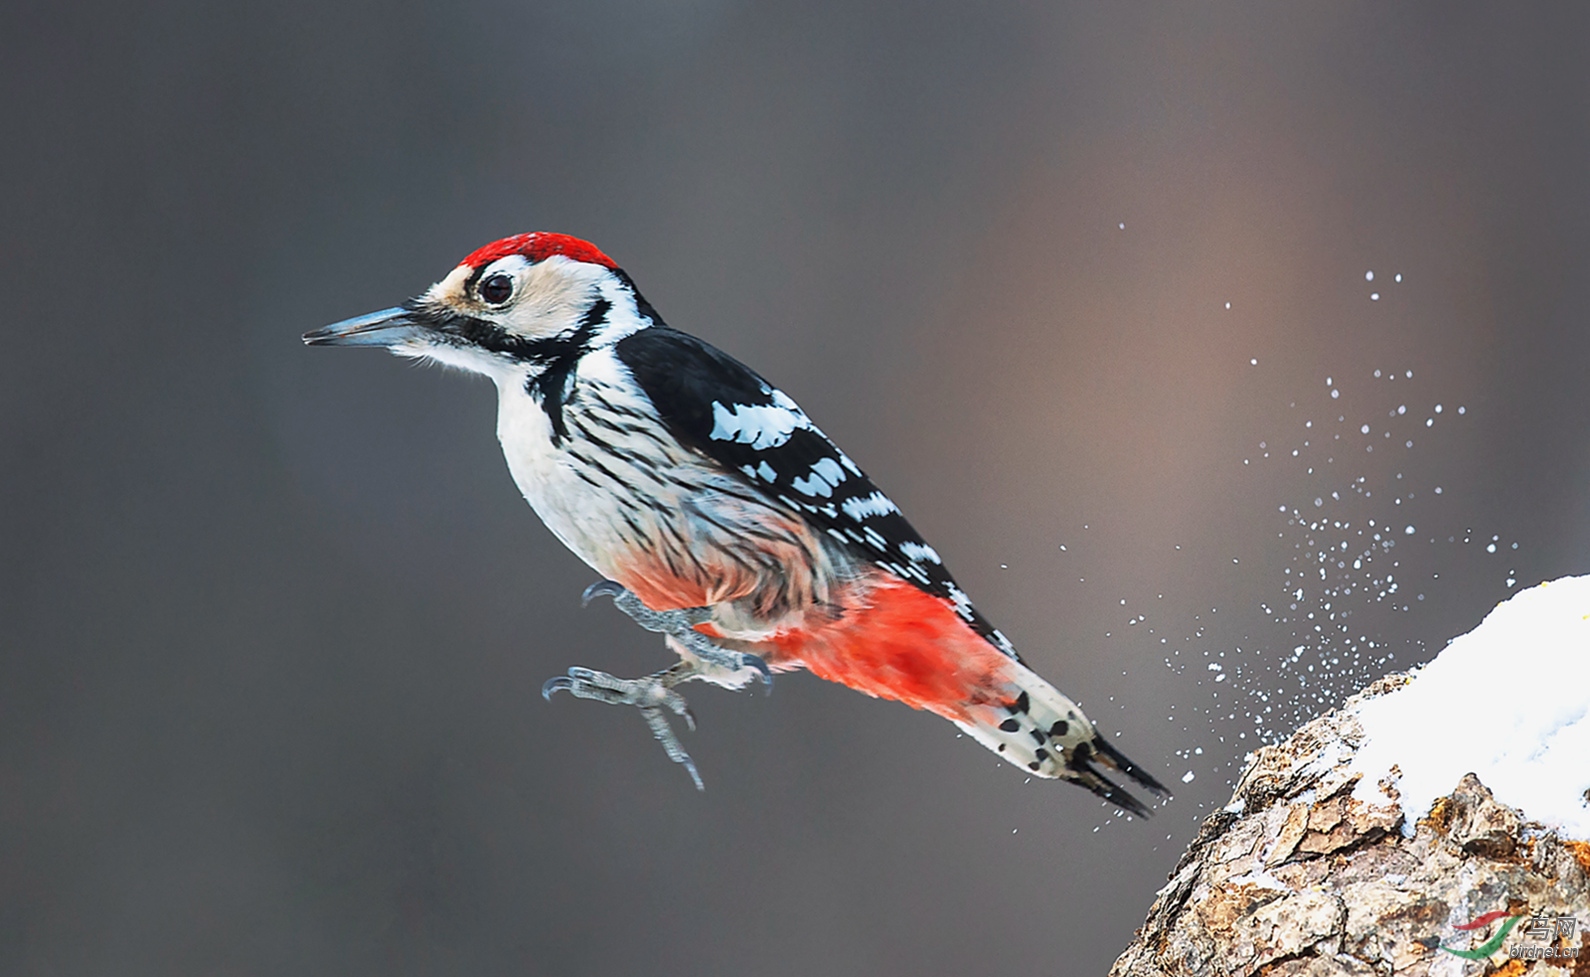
(654, 695)
(722, 666)
(651, 695)
(662, 622)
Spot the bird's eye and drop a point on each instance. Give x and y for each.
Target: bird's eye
(496, 289)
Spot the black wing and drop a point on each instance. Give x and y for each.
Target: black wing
(717, 405)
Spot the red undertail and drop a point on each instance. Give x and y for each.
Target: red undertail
(895, 642)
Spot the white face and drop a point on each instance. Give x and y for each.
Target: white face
(509, 318)
(534, 301)
(525, 300)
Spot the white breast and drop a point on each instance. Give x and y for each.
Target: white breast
(537, 466)
(622, 493)
(594, 485)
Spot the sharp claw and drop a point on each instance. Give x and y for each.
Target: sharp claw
(756, 662)
(664, 734)
(677, 705)
(602, 588)
(651, 695)
(664, 622)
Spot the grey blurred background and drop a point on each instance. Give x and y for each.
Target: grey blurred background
(273, 621)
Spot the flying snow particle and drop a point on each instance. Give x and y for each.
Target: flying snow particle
(1187, 777)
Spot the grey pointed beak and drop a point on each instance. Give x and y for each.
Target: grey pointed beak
(389, 327)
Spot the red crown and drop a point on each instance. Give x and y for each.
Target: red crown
(538, 246)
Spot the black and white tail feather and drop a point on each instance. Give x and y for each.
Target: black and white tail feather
(1045, 732)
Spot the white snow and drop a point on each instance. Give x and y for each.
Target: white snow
(1508, 702)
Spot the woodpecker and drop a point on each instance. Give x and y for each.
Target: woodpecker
(718, 514)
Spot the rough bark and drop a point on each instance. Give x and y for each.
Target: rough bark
(1296, 877)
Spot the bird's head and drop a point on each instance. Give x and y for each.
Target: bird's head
(511, 306)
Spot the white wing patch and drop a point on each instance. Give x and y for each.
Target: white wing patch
(762, 426)
(824, 478)
(919, 552)
(963, 603)
(813, 486)
(829, 469)
(876, 504)
(764, 471)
